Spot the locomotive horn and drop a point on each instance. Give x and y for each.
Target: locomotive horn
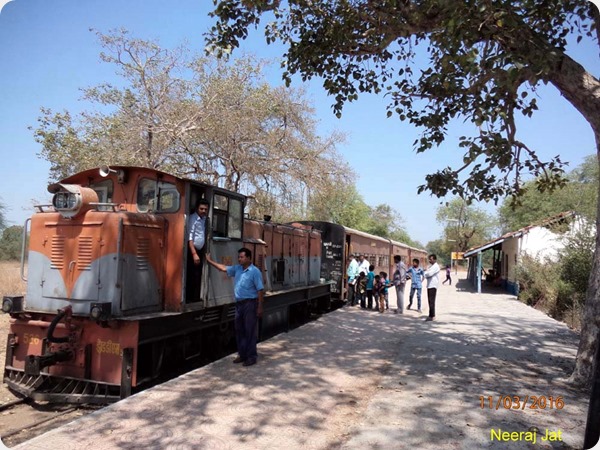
(106, 171)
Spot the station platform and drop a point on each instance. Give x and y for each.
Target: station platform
(357, 379)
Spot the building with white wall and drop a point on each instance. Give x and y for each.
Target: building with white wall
(540, 240)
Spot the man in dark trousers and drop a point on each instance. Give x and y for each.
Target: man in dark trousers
(197, 225)
(248, 291)
(432, 277)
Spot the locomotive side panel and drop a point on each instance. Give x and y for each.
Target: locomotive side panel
(314, 257)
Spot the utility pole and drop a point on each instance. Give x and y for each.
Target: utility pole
(454, 240)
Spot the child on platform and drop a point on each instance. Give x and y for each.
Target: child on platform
(383, 291)
(361, 288)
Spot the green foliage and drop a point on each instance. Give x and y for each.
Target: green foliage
(576, 260)
(537, 282)
(439, 248)
(484, 62)
(559, 287)
(2, 216)
(579, 194)
(345, 206)
(465, 226)
(10, 243)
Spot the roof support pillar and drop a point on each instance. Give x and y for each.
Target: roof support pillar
(479, 273)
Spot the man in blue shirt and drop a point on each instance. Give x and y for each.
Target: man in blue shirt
(196, 228)
(416, 275)
(248, 291)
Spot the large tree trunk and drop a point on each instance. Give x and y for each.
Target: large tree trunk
(582, 90)
(582, 375)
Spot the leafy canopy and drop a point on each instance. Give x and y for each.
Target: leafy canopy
(484, 60)
(579, 194)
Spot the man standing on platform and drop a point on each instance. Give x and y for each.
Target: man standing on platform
(248, 291)
(352, 273)
(433, 280)
(399, 280)
(363, 264)
(196, 239)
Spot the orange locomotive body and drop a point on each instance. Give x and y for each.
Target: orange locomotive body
(108, 305)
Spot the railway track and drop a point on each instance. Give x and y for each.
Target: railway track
(23, 419)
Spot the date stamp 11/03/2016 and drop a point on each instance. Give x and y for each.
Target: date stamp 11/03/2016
(520, 402)
(517, 402)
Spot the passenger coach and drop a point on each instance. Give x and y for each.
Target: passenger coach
(339, 242)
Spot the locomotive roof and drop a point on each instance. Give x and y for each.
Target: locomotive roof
(93, 173)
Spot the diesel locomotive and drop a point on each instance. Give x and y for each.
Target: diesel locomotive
(108, 308)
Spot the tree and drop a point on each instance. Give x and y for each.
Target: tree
(465, 225)
(340, 204)
(438, 248)
(579, 194)
(201, 118)
(10, 243)
(485, 58)
(385, 222)
(2, 217)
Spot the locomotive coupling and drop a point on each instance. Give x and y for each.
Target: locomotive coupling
(35, 364)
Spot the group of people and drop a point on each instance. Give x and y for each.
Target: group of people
(364, 285)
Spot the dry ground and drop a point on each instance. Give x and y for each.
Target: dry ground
(10, 284)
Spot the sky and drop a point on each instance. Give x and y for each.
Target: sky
(48, 53)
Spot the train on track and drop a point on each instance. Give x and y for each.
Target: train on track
(108, 308)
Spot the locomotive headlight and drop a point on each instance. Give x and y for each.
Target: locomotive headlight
(100, 311)
(12, 304)
(72, 200)
(7, 304)
(66, 201)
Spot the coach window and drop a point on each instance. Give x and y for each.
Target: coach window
(219, 218)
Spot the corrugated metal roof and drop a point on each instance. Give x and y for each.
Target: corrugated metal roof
(519, 232)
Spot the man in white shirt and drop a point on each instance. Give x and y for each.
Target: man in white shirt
(196, 227)
(363, 265)
(432, 277)
(352, 273)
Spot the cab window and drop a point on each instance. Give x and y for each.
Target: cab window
(104, 189)
(227, 217)
(157, 196)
